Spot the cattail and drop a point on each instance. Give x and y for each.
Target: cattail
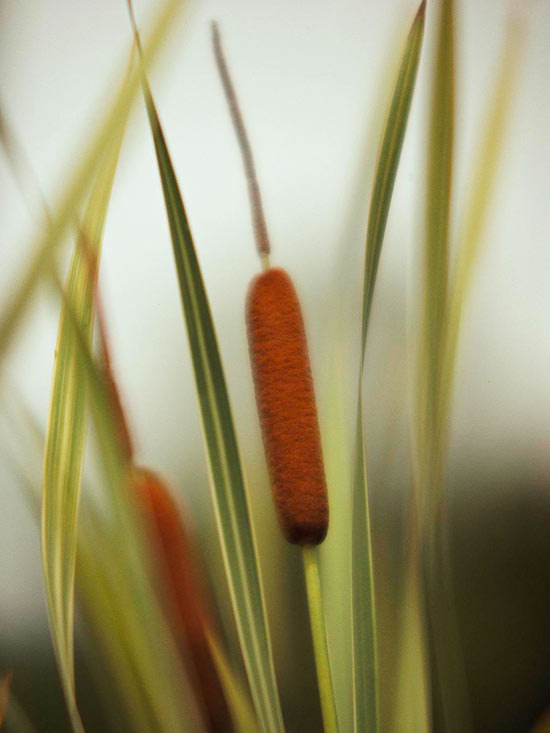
(286, 404)
(281, 371)
(177, 565)
(175, 561)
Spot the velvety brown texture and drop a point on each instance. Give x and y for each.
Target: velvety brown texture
(286, 405)
(178, 568)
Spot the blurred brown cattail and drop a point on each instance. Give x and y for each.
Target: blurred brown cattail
(281, 369)
(286, 404)
(175, 562)
(177, 565)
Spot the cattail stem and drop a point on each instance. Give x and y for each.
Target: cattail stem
(258, 218)
(320, 647)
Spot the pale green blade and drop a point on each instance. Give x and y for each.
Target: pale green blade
(485, 167)
(65, 212)
(450, 705)
(113, 603)
(436, 256)
(242, 712)
(66, 432)
(121, 580)
(364, 654)
(388, 162)
(442, 319)
(227, 477)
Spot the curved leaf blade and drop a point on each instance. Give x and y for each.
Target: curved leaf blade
(64, 214)
(364, 646)
(66, 432)
(139, 639)
(226, 472)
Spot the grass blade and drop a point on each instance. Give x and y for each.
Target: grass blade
(443, 307)
(242, 713)
(490, 147)
(450, 709)
(66, 433)
(436, 256)
(364, 654)
(64, 214)
(227, 477)
(388, 162)
(138, 629)
(109, 596)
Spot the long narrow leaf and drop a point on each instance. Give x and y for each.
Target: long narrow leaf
(485, 166)
(65, 440)
(64, 214)
(365, 673)
(126, 622)
(450, 707)
(227, 477)
(443, 314)
(140, 624)
(436, 257)
(237, 697)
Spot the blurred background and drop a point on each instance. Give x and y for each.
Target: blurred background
(312, 79)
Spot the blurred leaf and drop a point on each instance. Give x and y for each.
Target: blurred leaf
(438, 204)
(21, 167)
(66, 432)
(388, 162)
(481, 186)
(228, 483)
(106, 593)
(64, 214)
(449, 692)
(411, 710)
(365, 697)
(242, 713)
(443, 308)
(120, 587)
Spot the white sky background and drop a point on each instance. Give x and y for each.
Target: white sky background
(307, 74)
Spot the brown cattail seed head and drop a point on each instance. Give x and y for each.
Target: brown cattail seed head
(178, 566)
(286, 404)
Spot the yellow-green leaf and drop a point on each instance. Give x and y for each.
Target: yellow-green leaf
(65, 212)
(66, 432)
(227, 476)
(120, 592)
(364, 647)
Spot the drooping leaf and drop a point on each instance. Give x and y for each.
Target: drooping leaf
(65, 212)
(136, 634)
(66, 432)
(111, 598)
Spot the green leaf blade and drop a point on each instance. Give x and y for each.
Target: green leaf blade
(119, 581)
(388, 162)
(65, 440)
(364, 644)
(64, 214)
(227, 477)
